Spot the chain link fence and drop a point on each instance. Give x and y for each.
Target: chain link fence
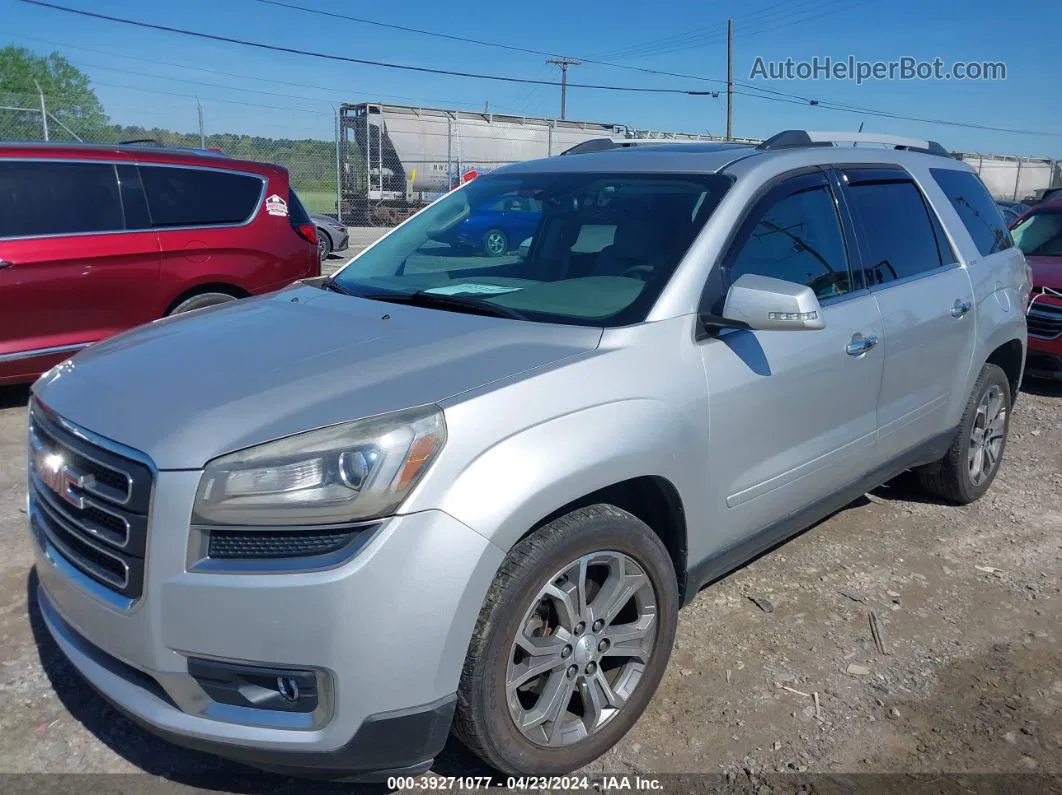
(311, 162)
(384, 162)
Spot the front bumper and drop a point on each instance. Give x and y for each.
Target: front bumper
(387, 631)
(1044, 358)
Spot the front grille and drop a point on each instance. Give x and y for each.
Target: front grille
(89, 504)
(274, 544)
(1045, 316)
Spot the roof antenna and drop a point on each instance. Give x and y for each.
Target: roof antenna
(856, 143)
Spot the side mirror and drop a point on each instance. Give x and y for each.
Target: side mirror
(763, 303)
(524, 249)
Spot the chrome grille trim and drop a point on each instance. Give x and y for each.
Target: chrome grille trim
(80, 561)
(97, 529)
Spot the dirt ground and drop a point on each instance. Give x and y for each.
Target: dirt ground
(967, 601)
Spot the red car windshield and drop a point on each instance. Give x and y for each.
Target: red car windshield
(1039, 234)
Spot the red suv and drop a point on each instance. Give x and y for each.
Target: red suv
(1038, 233)
(97, 239)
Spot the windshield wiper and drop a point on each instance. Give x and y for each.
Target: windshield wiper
(332, 285)
(424, 298)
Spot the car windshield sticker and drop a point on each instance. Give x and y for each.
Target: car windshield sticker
(276, 206)
(473, 289)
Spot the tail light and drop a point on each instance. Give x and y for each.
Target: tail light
(307, 232)
(1027, 288)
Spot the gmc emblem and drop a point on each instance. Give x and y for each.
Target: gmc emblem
(59, 477)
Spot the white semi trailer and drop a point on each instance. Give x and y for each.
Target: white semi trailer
(394, 159)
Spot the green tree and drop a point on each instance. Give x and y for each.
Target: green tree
(67, 91)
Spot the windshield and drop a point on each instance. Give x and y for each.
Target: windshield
(1040, 234)
(585, 249)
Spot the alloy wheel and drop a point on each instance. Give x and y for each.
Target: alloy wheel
(986, 435)
(581, 648)
(495, 244)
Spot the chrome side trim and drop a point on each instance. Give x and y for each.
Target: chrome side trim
(914, 277)
(14, 357)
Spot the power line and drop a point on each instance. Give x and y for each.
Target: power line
(508, 79)
(467, 40)
(345, 58)
(710, 33)
(790, 14)
(256, 78)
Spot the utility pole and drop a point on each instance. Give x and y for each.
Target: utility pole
(44, 110)
(202, 136)
(729, 79)
(564, 63)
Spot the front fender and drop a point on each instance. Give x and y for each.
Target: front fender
(513, 484)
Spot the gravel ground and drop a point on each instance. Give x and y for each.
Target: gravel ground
(775, 668)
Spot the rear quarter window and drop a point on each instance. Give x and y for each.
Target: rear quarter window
(199, 197)
(57, 198)
(977, 210)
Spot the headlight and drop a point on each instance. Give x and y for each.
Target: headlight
(356, 470)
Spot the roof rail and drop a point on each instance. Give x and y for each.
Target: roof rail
(604, 144)
(793, 139)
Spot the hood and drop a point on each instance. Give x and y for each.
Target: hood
(1047, 271)
(190, 388)
(325, 219)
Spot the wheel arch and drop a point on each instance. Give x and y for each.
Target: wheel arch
(1010, 357)
(327, 233)
(209, 287)
(650, 498)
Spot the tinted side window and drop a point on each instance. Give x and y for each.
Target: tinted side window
(898, 231)
(56, 198)
(798, 239)
(296, 211)
(979, 213)
(199, 197)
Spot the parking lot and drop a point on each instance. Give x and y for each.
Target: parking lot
(775, 667)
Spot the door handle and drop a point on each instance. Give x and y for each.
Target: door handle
(5, 264)
(960, 308)
(860, 345)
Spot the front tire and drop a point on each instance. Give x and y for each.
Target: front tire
(973, 459)
(571, 643)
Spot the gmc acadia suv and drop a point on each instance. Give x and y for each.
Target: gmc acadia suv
(443, 489)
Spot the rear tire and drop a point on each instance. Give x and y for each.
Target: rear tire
(201, 301)
(496, 243)
(599, 648)
(973, 459)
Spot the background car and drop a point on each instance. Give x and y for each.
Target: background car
(1011, 210)
(1038, 233)
(496, 228)
(1043, 195)
(331, 235)
(98, 239)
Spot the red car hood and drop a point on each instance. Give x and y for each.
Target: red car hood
(1047, 271)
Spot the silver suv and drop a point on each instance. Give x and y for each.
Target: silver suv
(449, 489)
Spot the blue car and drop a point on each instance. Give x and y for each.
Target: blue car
(498, 227)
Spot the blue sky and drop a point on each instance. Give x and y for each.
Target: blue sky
(150, 77)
